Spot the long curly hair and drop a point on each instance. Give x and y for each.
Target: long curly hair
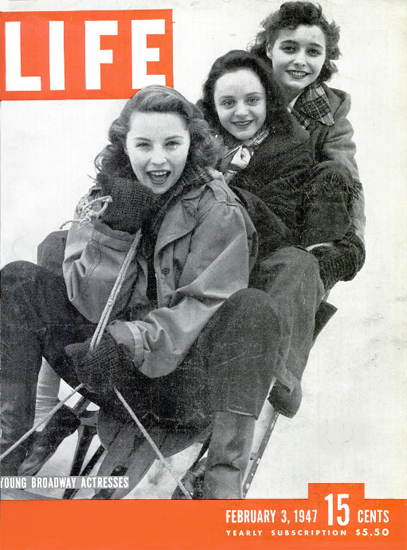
(204, 148)
(290, 16)
(278, 120)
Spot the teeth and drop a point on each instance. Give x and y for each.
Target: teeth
(158, 177)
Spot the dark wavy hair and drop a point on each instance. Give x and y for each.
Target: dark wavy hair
(290, 16)
(277, 118)
(203, 150)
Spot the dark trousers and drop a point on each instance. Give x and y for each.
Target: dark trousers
(290, 277)
(230, 366)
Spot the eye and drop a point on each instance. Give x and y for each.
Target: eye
(173, 144)
(142, 145)
(314, 53)
(228, 103)
(253, 100)
(289, 49)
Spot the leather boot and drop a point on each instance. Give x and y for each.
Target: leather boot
(17, 415)
(228, 455)
(62, 424)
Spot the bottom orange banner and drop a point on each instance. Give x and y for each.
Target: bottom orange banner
(335, 516)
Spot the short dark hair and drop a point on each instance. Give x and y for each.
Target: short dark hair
(277, 118)
(290, 16)
(203, 150)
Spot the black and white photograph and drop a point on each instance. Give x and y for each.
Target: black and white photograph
(203, 249)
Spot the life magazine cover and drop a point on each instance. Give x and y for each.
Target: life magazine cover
(334, 475)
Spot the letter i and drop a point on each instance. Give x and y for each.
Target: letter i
(56, 56)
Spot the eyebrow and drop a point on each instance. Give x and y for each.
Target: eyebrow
(288, 41)
(232, 96)
(147, 139)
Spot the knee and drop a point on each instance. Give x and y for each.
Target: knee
(293, 261)
(17, 270)
(16, 274)
(251, 303)
(296, 256)
(304, 263)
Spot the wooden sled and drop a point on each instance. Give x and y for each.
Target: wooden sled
(125, 450)
(128, 452)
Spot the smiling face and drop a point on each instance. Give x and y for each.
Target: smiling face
(157, 145)
(240, 101)
(297, 56)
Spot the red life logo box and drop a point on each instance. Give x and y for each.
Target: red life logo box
(84, 54)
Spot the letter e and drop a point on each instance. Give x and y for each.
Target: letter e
(141, 54)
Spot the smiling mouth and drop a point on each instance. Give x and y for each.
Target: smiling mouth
(298, 74)
(243, 123)
(158, 177)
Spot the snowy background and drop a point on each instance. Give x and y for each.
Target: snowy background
(352, 423)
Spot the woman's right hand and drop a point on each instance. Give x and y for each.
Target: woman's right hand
(130, 206)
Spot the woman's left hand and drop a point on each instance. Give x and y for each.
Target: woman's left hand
(103, 368)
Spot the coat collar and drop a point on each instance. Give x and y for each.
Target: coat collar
(181, 216)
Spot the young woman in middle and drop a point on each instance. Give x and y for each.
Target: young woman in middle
(300, 208)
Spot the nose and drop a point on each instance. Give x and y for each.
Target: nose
(241, 109)
(158, 156)
(300, 58)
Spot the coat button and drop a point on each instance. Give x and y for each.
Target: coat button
(165, 270)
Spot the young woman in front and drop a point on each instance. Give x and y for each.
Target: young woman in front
(187, 343)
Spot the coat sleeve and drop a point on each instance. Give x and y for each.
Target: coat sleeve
(94, 254)
(337, 145)
(217, 266)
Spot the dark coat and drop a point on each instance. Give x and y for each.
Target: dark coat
(335, 143)
(300, 203)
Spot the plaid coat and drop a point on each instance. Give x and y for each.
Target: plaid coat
(323, 112)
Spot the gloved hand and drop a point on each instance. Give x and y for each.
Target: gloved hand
(109, 365)
(340, 262)
(131, 204)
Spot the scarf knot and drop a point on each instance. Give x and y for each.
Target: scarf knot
(238, 157)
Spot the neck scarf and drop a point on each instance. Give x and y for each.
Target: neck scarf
(237, 157)
(313, 104)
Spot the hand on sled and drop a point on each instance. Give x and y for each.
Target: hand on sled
(109, 365)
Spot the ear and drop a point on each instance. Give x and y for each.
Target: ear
(269, 49)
